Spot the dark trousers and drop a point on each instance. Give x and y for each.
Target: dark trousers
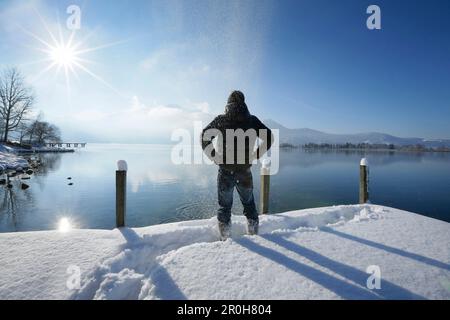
(243, 181)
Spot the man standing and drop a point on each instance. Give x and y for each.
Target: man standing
(237, 133)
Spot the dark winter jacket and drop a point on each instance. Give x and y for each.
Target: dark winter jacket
(236, 117)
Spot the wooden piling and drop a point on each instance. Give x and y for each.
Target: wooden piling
(121, 193)
(363, 181)
(265, 188)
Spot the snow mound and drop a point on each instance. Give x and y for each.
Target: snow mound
(320, 253)
(9, 161)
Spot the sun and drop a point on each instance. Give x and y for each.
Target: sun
(63, 56)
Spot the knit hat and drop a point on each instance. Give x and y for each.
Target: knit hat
(236, 97)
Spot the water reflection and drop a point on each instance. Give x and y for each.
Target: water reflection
(308, 158)
(13, 203)
(8, 206)
(17, 199)
(64, 225)
(48, 162)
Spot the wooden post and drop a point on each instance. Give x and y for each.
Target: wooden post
(265, 187)
(363, 181)
(121, 193)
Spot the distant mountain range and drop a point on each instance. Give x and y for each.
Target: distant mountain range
(304, 135)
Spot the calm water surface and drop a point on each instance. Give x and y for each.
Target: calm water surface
(159, 191)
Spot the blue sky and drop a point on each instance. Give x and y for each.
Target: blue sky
(302, 63)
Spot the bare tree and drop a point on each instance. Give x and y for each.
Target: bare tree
(31, 128)
(22, 130)
(45, 132)
(16, 100)
(2, 127)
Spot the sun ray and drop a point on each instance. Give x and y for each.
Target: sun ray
(40, 61)
(98, 78)
(65, 55)
(102, 46)
(44, 71)
(55, 42)
(85, 39)
(79, 59)
(73, 71)
(60, 33)
(71, 37)
(48, 45)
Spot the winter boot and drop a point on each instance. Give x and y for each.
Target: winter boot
(252, 226)
(224, 230)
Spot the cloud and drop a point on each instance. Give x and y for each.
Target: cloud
(142, 123)
(202, 106)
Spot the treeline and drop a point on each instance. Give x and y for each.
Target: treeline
(366, 146)
(348, 145)
(18, 121)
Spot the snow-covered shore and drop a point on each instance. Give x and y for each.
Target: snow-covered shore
(10, 158)
(320, 253)
(10, 161)
(20, 150)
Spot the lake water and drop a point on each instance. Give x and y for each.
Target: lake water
(159, 191)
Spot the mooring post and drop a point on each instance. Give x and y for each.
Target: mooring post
(121, 192)
(363, 181)
(265, 186)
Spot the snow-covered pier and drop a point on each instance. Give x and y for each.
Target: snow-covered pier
(341, 252)
(66, 144)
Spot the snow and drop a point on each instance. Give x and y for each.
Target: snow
(364, 162)
(47, 149)
(5, 148)
(15, 149)
(266, 163)
(122, 165)
(320, 253)
(9, 161)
